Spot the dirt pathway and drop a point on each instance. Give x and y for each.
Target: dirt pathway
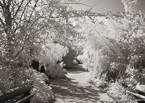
(76, 89)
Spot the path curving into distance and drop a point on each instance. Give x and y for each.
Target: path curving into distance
(74, 88)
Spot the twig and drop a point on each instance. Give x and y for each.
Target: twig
(19, 52)
(26, 98)
(135, 94)
(24, 10)
(19, 8)
(112, 97)
(9, 2)
(106, 43)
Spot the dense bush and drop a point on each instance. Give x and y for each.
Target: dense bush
(117, 52)
(49, 55)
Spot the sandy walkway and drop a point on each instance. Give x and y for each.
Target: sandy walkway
(76, 89)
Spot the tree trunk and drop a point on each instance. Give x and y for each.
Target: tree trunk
(9, 34)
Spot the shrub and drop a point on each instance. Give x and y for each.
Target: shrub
(10, 79)
(48, 56)
(43, 92)
(120, 46)
(118, 92)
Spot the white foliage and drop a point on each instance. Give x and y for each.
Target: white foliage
(43, 92)
(48, 56)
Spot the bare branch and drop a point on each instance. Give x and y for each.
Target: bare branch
(36, 20)
(19, 52)
(4, 2)
(33, 9)
(19, 8)
(135, 94)
(9, 2)
(82, 3)
(77, 3)
(106, 42)
(80, 15)
(2, 23)
(24, 9)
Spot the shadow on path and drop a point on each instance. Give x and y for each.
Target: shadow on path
(74, 88)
